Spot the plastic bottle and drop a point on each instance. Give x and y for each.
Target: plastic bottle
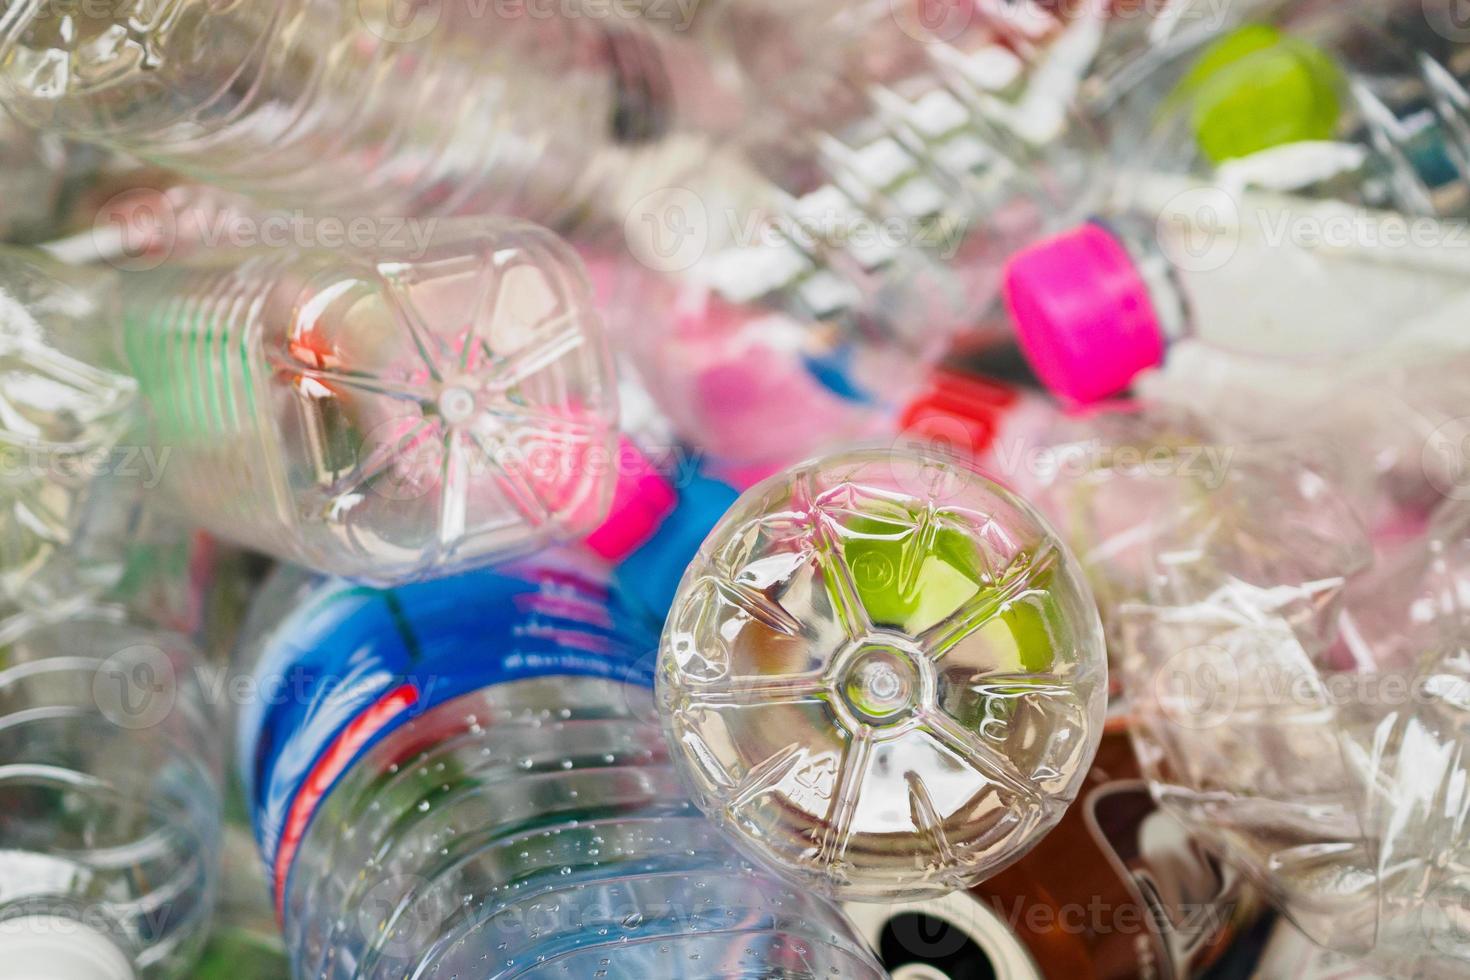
(1353, 829)
(31, 185)
(1295, 188)
(66, 506)
(469, 781)
(1389, 432)
(864, 197)
(383, 414)
(1296, 693)
(110, 801)
(883, 675)
(309, 104)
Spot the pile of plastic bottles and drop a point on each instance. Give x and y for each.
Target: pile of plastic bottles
(660, 489)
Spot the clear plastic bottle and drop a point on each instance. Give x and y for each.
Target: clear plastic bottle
(65, 507)
(1353, 826)
(862, 193)
(472, 783)
(457, 108)
(1296, 690)
(883, 675)
(1389, 431)
(31, 179)
(110, 801)
(384, 414)
(1295, 188)
(837, 259)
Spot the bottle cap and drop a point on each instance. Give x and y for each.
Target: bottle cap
(1082, 314)
(957, 405)
(882, 676)
(642, 500)
(1257, 88)
(50, 947)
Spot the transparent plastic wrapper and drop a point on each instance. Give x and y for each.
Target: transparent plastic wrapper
(1294, 188)
(381, 414)
(110, 801)
(883, 675)
(1297, 699)
(481, 789)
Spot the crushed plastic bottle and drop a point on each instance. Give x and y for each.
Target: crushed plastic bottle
(1296, 688)
(110, 801)
(67, 509)
(1294, 188)
(884, 676)
(473, 784)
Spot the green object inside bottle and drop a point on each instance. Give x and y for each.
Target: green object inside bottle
(1257, 88)
(911, 577)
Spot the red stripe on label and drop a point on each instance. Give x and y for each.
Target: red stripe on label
(334, 761)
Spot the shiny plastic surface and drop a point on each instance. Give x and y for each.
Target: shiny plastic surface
(1297, 689)
(883, 675)
(110, 790)
(518, 817)
(66, 499)
(382, 415)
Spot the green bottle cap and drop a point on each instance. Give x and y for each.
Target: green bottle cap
(910, 583)
(1257, 88)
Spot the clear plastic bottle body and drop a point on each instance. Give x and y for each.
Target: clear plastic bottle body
(841, 258)
(883, 675)
(386, 414)
(66, 506)
(530, 826)
(537, 830)
(462, 108)
(1388, 430)
(1291, 278)
(110, 799)
(1296, 689)
(1296, 187)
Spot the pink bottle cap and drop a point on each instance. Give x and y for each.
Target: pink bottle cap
(1082, 314)
(642, 499)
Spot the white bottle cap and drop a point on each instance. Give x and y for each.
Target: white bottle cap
(49, 947)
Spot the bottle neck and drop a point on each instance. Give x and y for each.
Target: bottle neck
(1160, 275)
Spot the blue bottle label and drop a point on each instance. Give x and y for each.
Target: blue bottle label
(351, 664)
